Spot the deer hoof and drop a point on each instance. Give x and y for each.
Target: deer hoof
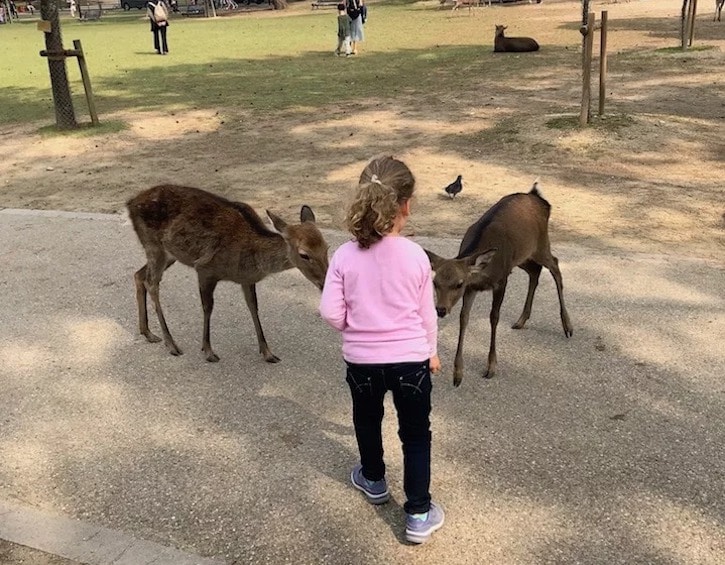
(212, 357)
(174, 350)
(518, 325)
(457, 378)
(151, 338)
(568, 332)
(271, 358)
(489, 374)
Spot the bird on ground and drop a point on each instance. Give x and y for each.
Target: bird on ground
(455, 187)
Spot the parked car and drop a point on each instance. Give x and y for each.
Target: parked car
(128, 4)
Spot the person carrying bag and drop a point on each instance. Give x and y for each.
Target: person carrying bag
(158, 14)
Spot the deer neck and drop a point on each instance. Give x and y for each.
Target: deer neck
(270, 256)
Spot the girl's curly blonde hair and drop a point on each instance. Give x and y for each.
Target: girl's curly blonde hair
(384, 185)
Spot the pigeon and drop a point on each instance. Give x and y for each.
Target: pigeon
(455, 187)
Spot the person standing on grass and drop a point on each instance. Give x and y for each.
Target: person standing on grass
(343, 31)
(158, 14)
(354, 12)
(379, 293)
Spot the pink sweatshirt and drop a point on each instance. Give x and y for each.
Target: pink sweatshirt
(381, 299)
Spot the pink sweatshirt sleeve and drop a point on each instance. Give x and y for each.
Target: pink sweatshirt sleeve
(332, 304)
(428, 312)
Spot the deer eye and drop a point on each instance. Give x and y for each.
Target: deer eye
(304, 256)
(459, 285)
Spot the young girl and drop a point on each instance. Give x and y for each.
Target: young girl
(379, 294)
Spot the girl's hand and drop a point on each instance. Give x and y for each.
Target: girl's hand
(435, 364)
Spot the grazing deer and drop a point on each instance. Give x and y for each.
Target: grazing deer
(222, 241)
(502, 44)
(514, 232)
(461, 3)
(718, 10)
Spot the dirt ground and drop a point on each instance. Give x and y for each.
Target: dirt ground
(648, 178)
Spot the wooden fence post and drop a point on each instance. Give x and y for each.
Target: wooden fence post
(587, 70)
(86, 81)
(603, 63)
(692, 23)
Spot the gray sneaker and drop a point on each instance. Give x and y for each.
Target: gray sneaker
(375, 491)
(419, 527)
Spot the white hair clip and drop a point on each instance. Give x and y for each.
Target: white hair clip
(376, 180)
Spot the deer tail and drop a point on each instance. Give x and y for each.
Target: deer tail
(536, 189)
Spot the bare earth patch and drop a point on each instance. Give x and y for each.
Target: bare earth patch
(647, 178)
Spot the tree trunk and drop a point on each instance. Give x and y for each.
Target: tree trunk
(64, 115)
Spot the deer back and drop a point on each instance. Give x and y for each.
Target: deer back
(226, 239)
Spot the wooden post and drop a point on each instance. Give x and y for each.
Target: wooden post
(86, 81)
(603, 63)
(692, 23)
(587, 71)
(687, 24)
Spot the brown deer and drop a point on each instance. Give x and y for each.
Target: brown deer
(503, 44)
(223, 241)
(514, 232)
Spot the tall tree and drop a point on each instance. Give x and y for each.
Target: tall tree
(64, 115)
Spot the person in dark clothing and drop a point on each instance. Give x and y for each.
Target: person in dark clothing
(158, 14)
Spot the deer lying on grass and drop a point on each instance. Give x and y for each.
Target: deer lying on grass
(514, 232)
(718, 10)
(222, 241)
(502, 44)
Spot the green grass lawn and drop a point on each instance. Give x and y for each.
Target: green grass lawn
(250, 62)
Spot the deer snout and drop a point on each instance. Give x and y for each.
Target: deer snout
(441, 311)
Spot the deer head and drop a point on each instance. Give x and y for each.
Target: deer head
(453, 276)
(306, 248)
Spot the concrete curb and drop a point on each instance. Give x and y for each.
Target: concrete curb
(80, 541)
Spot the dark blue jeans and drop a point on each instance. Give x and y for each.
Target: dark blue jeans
(411, 386)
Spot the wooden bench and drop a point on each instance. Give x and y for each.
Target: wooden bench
(325, 4)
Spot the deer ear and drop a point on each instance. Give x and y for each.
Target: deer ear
(306, 214)
(278, 224)
(435, 261)
(479, 261)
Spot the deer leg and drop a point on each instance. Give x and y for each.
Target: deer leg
(553, 266)
(534, 270)
(498, 293)
(206, 290)
(250, 295)
(154, 271)
(139, 278)
(468, 299)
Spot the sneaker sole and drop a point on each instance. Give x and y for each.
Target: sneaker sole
(422, 537)
(372, 498)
